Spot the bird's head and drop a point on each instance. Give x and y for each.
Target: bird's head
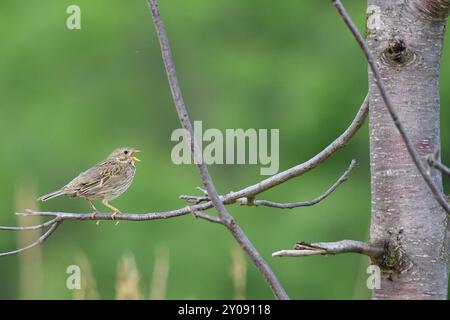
(124, 155)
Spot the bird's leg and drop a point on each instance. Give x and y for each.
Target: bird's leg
(114, 209)
(94, 210)
(91, 205)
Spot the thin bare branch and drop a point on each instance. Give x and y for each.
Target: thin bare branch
(225, 217)
(59, 217)
(36, 227)
(126, 216)
(254, 202)
(303, 249)
(300, 169)
(437, 192)
(439, 165)
(207, 217)
(291, 205)
(39, 241)
(304, 167)
(194, 199)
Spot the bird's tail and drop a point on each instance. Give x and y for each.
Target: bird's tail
(51, 195)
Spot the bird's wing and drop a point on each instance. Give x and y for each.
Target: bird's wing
(94, 178)
(91, 187)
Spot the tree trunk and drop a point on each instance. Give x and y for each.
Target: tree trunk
(406, 39)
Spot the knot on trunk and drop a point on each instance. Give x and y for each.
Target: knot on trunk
(394, 260)
(397, 53)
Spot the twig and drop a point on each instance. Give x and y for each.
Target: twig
(205, 216)
(307, 166)
(59, 217)
(439, 165)
(225, 217)
(36, 227)
(300, 169)
(291, 205)
(125, 216)
(39, 241)
(303, 249)
(440, 197)
(194, 199)
(254, 202)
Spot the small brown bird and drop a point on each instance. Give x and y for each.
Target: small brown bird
(105, 181)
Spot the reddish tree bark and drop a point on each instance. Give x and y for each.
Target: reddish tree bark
(406, 39)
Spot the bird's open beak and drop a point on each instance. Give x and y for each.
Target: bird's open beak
(132, 155)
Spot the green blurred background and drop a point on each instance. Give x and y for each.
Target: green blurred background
(69, 97)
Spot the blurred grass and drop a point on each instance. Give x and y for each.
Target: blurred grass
(69, 97)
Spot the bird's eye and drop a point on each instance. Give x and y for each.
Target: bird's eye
(126, 152)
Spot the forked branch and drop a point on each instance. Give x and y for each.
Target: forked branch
(246, 201)
(39, 241)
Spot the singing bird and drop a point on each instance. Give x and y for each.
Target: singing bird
(105, 181)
